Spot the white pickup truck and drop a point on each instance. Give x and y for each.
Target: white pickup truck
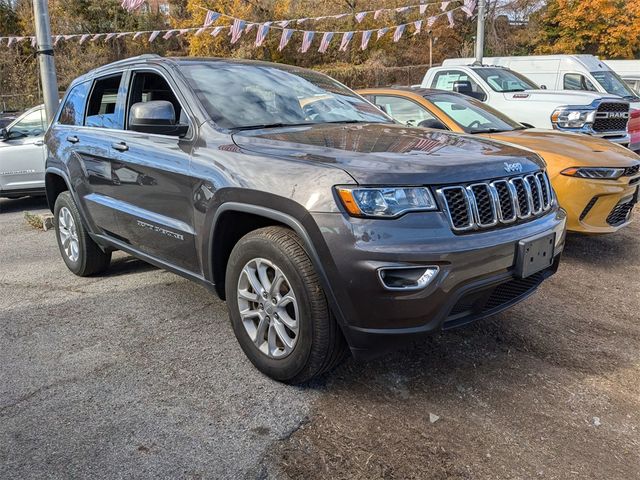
(597, 114)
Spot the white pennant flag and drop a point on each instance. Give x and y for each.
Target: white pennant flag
(444, 6)
(450, 18)
(360, 16)
(216, 31)
(109, 36)
(84, 38)
(34, 42)
(422, 9)
(154, 35)
(169, 34)
(431, 21)
(469, 7)
(377, 14)
(137, 35)
(97, 36)
(418, 26)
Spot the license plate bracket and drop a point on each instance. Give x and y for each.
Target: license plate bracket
(535, 254)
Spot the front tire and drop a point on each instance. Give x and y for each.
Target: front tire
(278, 309)
(79, 252)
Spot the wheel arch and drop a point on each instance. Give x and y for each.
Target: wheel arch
(244, 218)
(55, 182)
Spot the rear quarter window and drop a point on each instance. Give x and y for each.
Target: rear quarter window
(72, 112)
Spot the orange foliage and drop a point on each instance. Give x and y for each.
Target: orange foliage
(608, 28)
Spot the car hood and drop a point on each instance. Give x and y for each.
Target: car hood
(569, 149)
(559, 97)
(391, 154)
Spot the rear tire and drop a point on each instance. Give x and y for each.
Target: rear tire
(79, 252)
(278, 309)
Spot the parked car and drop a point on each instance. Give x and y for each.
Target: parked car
(573, 72)
(596, 181)
(22, 155)
(322, 222)
(513, 94)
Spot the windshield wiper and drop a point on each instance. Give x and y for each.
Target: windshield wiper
(269, 125)
(488, 130)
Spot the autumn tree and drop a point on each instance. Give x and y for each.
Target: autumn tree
(607, 28)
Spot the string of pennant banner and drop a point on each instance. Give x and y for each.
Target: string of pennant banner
(240, 27)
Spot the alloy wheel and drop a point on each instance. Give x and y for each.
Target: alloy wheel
(68, 234)
(268, 308)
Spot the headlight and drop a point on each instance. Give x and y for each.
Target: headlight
(572, 118)
(385, 202)
(603, 173)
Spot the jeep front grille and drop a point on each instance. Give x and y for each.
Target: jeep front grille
(612, 117)
(485, 205)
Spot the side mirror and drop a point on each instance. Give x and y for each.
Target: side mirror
(543, 87)
(433, 123)
(462, 86)
(4, 135)
(156, 117)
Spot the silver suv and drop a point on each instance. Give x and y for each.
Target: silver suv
(22, 155)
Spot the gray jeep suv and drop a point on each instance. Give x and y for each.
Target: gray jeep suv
(327, 227)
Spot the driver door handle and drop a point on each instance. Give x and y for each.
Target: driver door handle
(38, 143)
(72, 139)
(121, 147)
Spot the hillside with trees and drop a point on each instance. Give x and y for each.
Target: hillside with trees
(518, 27)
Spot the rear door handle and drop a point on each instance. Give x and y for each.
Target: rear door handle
(72, 139)
(121, 147)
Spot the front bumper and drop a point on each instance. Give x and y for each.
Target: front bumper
(591, 204)
(475, 278)
(621, 137)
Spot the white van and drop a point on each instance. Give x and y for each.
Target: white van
(628, 70)
(563, 72)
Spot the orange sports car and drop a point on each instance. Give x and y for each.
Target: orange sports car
(596, 181)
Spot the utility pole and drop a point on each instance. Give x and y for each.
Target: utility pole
(480, 32)
(45, 57)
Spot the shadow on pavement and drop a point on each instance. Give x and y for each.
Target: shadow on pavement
(8, 205)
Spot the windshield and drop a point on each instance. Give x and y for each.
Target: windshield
(471, 115)
(246, 96)
(613, 84)
(503, 80)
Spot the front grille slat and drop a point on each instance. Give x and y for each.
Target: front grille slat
(500, 202)
(611, 117)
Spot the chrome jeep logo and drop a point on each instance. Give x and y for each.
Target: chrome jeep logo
(512, 167)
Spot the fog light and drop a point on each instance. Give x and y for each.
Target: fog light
(407, 278)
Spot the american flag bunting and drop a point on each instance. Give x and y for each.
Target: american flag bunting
(324, 43)
(398, 33)
(346, 39)
(261, 36)
(366, 36)
(284, 39)
(307, 38)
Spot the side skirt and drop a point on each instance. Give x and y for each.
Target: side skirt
(105, 241)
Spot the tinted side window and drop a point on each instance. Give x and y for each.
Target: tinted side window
(102, 111)
(73, 109)
(148, 86)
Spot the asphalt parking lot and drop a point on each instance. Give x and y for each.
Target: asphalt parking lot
(136, 374)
